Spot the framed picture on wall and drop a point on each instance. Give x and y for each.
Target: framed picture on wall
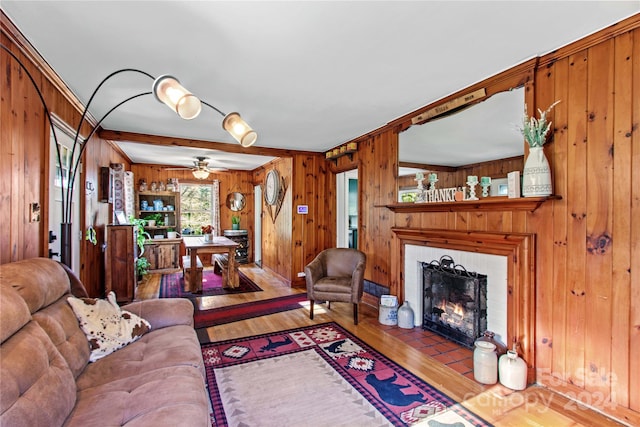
(499, 187)
(121, 218)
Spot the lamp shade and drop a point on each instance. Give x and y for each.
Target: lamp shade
(239, 129)
(167, 89)
(200, 174)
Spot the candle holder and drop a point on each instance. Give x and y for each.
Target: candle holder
(472, 190)
(419, 181)
(485, 183)
(433, 178)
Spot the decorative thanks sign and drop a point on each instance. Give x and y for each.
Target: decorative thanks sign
(441, 195)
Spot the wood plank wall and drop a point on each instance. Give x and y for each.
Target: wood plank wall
(24, 161)
(588, 244)
(313, 185)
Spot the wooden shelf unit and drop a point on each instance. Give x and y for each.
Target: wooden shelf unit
(168, 198)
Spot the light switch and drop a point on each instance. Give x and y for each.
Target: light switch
(34, 212)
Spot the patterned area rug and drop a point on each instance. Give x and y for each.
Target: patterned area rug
(319, 376)
(247, 310)
(172, 285)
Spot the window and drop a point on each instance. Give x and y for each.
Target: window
(196, 201)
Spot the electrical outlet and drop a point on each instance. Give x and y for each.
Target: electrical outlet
(301, 274)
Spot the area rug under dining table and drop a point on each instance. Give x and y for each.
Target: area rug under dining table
(172, 285)
(319, 375)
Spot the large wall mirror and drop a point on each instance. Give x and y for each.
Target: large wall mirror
(483, 132)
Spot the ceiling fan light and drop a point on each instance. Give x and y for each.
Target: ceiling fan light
(239, 129)
(200, 174)
(167, 89)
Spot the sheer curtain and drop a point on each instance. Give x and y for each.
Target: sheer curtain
(215, 208)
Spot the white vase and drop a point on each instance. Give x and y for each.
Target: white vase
(405, 316)
(536, 176)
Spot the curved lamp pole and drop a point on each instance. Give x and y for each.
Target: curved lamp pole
(166, 89)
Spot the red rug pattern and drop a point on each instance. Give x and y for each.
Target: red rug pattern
(172, 285)
(247, 310)
(401, 397)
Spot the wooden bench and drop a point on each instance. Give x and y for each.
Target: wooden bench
(221, 265)
(220, 262)
(191, 278)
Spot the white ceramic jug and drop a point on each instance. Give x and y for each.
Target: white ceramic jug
(513, 371)
(405, 316)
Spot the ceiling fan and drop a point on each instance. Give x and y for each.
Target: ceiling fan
(201, 169)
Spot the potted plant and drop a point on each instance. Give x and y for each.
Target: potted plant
(142, 267)
(155, 220)
(171, 233)
(536, 175)
(235, 222)
(141, 235)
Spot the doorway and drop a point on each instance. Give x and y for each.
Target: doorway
(59, 174)
(257, 238)
(347, 209)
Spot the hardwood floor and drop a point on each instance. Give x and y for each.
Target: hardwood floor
(535, 406)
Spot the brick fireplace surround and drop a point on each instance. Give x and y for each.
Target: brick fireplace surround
(520, 252)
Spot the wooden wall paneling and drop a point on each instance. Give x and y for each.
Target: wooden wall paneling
(477, 220)
(559, 148)
(306, 189)
(599, 216)
(493, 220)
(277, 236)
(461, 221)
(621, 222)
(542, 222)
(366, 200)
(386, 174)
(6, 159)
(19, 85)
(634, 212)
(576, 106)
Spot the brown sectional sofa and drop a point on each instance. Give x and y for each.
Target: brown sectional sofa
(45, 375)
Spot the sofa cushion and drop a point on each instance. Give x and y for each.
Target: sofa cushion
(61, 324)
(108, 328)
(42, 285)
(14, 313)
(161, 348)
(169, 396)
(38, 388)
(39, 281)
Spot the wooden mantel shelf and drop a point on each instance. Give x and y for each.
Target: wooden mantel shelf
(498, 203)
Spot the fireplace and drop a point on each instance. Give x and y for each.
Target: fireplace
(519, 251)
(455, 301)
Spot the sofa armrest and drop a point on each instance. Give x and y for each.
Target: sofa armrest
(163, 312)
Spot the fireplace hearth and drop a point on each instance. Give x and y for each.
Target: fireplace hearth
(455, 301)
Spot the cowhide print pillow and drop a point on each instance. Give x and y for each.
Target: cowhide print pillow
(107, 327)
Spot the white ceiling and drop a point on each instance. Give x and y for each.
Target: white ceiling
(306, 75)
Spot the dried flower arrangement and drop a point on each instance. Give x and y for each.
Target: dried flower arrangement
(534, 130)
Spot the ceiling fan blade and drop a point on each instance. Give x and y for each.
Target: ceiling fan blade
(178, 169)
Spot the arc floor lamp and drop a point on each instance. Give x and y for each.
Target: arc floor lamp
(166, 89)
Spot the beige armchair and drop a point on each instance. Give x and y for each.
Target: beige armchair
(336, 274)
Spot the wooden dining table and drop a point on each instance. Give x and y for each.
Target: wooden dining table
(219, 245)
